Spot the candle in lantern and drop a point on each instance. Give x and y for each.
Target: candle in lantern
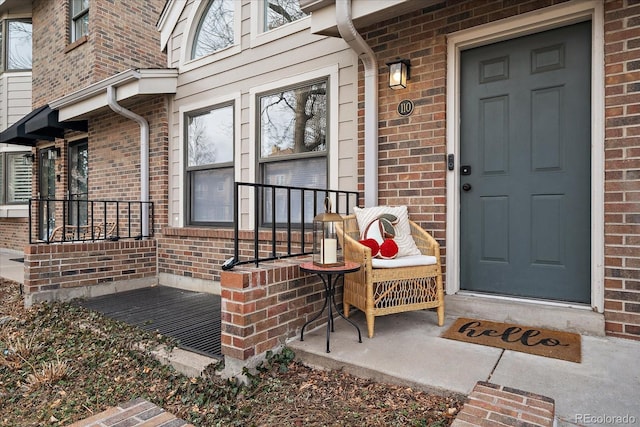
(329, 251)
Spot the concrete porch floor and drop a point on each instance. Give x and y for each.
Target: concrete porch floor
(407, 349)
(9, 267)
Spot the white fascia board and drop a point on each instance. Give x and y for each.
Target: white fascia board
(363, 13)
(168, 20)
(15, 6)
(129, 83)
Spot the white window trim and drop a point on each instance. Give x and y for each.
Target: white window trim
(179, 218)
(186, 63)
(259, 36)
(20, 210)
(331, 74)
(535, 21)
(72, 22)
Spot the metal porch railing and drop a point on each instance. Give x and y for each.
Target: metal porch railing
(279, 208)
(78, 219)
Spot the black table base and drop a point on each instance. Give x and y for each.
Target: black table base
(329, 282)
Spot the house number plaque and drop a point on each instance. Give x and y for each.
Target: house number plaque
(405, 107)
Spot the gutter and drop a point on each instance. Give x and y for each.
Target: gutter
(350, 35)
(144, 153)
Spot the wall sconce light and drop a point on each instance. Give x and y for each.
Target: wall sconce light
(28, 159)
(399, 73)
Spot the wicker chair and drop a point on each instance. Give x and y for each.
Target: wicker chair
(382, 291)
(74, 232)
(109, 230)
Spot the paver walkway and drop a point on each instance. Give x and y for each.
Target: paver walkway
(135, 413)
(492, 404)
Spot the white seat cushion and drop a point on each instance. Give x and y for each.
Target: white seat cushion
(404, 261)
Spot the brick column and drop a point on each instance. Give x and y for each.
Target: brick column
(264, 306)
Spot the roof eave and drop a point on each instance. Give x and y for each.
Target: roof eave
(130, 83)
(364, 12)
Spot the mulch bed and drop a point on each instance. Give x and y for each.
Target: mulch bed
(60, 363)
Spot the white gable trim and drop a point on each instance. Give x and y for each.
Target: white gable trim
(168, 20)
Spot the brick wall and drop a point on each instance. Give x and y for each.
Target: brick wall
(68, 270)
(200, 252)
(114, 156)
(262, 307)
(412, 167)
(122, 35)
(622, 165)
(14, 233)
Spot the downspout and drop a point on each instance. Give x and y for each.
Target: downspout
(365, 53)
(144, 153)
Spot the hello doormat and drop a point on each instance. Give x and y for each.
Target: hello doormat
(526, 339)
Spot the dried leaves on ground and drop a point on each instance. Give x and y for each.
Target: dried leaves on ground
(60, 363)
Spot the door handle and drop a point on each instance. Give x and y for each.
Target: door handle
(466, 186)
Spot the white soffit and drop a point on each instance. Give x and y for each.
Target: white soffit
(128, 84)
(15, 6)
(363, 13)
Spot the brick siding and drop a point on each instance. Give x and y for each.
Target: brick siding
(13, 233)
(622, 166)
(122, 35)
(67, 270)
(200, 252)
(114, 156)
(264, 306)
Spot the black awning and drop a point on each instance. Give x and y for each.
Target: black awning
(15, 134)
(40, 124)
(45, 122)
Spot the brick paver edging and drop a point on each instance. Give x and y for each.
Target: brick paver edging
(135, 413)
(496, 405)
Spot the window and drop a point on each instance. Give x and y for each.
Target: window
(79, 19)
(47, 189)
(15, 178)
(16, 44)
(293, 148)
(78, 183)
(280, 12)
(209, 160)
(215, 30)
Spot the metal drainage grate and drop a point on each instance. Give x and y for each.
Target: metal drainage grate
(192, 318)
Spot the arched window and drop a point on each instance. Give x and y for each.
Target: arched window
(215, 29)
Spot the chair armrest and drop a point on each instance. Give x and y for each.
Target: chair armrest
(425, 242)
(353, 250)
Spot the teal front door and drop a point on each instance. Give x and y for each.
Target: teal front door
(525, 174)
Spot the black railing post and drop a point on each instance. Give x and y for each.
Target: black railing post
(303, 220)
(261, 219)
(153, 216)
(273, 222)
(256, 222)
(288, 221)
(236, 222)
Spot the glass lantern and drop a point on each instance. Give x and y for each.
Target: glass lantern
(325, 238)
